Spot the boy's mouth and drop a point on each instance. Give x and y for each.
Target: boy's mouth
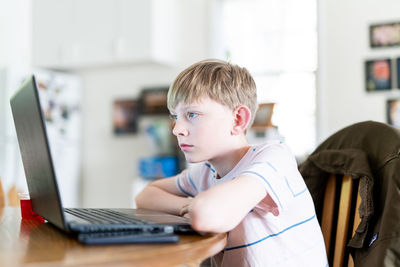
(185, 147)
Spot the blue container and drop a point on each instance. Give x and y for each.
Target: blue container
(158, 167)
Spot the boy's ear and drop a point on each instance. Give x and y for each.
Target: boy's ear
(241, 116)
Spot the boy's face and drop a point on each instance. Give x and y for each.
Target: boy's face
(203, 129)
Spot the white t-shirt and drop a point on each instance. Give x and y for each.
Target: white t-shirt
(281, 230)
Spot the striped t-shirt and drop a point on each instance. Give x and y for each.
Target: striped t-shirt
(281, 230)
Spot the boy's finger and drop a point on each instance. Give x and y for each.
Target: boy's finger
(183, 211)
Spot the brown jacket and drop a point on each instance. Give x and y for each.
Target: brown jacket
(369, 151)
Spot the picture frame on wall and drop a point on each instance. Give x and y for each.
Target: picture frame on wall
(125, 116)
(384, 35)
(153, 101)
(263, 116)
(393, 112)
(378, 74)
(398, 71)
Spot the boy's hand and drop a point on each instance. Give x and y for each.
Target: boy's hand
(185, 210)
(162, 195)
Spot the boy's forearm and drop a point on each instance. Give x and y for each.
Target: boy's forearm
(155, 198)
(232, 206)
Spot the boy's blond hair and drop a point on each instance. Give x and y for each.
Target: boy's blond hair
(223, 82)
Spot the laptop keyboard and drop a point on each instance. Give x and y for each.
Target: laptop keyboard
(104, 216)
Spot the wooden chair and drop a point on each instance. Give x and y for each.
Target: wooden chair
(2, 196)
(340, 218)
(11, 198)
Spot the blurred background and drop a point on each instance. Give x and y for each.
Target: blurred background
(104, 67)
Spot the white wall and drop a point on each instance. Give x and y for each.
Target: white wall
(15, 33)
(343, 48)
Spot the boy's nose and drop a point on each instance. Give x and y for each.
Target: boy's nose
(179, 130)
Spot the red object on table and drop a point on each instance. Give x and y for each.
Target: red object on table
(27, 212)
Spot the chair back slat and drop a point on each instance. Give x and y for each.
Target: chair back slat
(328, 211)
(343, 221)
(2, 196)
(357, 221)
(12, 197)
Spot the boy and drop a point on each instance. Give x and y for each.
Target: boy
(255, 193)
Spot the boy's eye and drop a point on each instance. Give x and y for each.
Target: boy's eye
(173, 117)
(191, 115)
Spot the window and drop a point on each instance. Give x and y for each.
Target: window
(276, 40)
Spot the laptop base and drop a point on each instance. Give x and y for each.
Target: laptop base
(126, 238)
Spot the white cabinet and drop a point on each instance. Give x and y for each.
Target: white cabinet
(147, 30)
(50, 30)
(82, 33)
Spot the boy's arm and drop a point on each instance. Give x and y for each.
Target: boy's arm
(162, 195)
(221, 208)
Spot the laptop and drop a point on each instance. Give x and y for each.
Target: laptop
(91, 226)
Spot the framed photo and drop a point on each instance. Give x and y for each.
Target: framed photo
(153, 101)
(384, 35)
(378, 75)
(125, 116)
(398, 71)
(263, 116)
(393, 112)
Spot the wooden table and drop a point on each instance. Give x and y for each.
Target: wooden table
(30, 243)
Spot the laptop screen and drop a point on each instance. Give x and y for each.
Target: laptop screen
(35, 153)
